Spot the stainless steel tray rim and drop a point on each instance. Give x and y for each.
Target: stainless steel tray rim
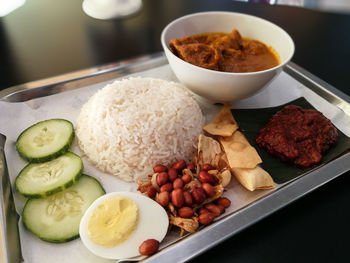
(235, 222)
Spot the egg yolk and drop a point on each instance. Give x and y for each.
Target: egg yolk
(113, 222)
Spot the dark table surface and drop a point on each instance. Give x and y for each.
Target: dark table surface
(47, 38)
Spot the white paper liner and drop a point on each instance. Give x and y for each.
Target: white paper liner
(16, 117)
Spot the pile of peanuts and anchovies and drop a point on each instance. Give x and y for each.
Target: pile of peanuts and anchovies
(190, 193)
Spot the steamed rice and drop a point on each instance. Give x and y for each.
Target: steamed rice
(131, 125)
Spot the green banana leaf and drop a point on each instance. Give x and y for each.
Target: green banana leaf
(251, 121)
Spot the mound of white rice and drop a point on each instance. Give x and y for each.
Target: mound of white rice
(131, 125)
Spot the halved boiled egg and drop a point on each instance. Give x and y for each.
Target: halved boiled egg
(116, 224)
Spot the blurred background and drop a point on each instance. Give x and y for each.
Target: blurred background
(41, 39)
(7, 6)
(329, 5)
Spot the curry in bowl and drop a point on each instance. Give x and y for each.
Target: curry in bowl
(227, 52)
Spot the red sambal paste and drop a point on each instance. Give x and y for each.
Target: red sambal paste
(298, 135)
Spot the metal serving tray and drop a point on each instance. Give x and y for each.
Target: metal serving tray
(196, 243)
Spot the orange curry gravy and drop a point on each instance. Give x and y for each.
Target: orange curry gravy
(228, 52)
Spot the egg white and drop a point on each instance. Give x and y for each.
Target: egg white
(153, 223)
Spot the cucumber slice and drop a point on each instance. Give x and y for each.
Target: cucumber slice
(44, 179)
(45, 140)
(56, 218)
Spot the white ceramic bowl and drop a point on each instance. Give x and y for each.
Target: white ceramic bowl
(226, 86)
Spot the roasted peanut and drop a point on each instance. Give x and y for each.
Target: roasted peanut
(205, 177)
(209, 189)
(191, 167)
(198, 195)
(185, 212)
(188, 200)
(212, 208)
(160, 168)
(179, 165)
(206, 218)
(225, 202)
(177, 197)
(172, 174)
(203, 211)
(206, 167)
(168, 187)
(163, 198)
(149, 247)
(151, 191)
(186, 178)
(162, 178)
(222, 208)
(178, 183)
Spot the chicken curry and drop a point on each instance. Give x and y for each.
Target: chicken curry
(228, 52)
